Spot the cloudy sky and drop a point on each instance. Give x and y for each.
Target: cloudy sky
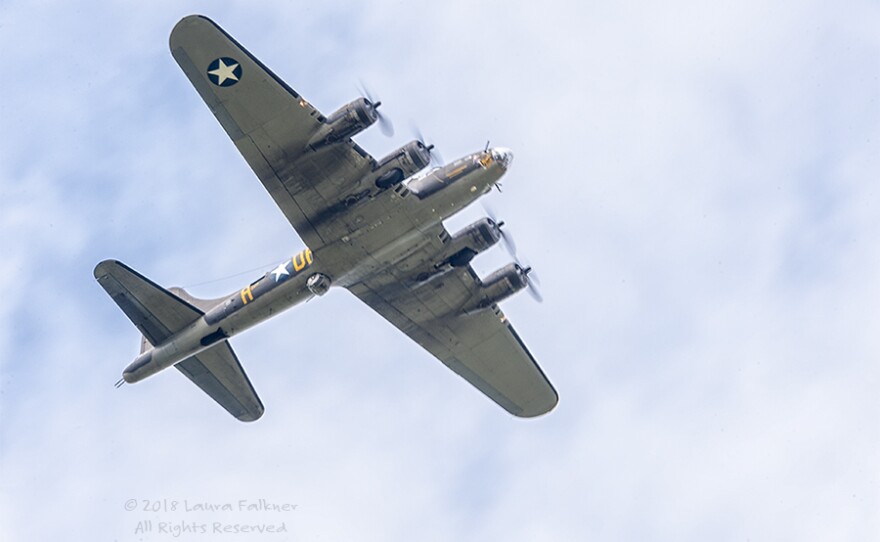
(696, 183)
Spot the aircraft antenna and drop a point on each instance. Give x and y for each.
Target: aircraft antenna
(221, 279)
(119, 383)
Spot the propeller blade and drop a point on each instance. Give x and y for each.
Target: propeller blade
(436, 158)
(535, 293)
(364, 91)
(506, 236)
(532, 283)
(385, 124)
(490, 212)
(509, 244)
(533, 277)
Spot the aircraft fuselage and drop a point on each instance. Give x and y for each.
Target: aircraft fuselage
(434, 197)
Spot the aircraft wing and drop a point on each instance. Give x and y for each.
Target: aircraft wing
(271, 125)
(483, 348)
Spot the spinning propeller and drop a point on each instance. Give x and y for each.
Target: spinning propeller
(374, 101)
(532, 281)
(506, 238)
(436, 158)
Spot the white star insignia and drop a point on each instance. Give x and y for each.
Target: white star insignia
(280, 270)
(224, 72)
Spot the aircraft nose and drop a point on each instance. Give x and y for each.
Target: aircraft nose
(503, 156)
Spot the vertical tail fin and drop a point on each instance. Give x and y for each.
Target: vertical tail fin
(145, 344)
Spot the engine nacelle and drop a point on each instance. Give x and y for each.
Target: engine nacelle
(347, 121)
(461, 248)
(471, 241)
(400, 164)
(498, 286)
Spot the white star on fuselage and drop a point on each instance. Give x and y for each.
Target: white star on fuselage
(280, 270)
(224, 72)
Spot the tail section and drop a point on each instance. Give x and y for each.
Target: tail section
(218, 373)
(145, 344)
(159, 314)
(155, 311)
(203, 305)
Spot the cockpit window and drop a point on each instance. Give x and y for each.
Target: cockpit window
(503, 156)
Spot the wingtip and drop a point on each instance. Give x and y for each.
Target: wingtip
(102, 268)
(540, 410)
(193, 17)
(186, 21)
(251, 417)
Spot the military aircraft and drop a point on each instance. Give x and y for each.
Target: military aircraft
(374, 227)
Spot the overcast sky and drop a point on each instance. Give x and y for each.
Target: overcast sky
(696, 184)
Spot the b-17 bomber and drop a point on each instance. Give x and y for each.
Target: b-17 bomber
(373, 227)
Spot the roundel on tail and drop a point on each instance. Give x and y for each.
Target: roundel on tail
(224, 71)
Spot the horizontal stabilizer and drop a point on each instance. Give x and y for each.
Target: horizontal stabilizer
(156, 312)
(219, 373)
(159, 314)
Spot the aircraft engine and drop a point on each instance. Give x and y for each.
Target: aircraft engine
(499, 286)
(401, 164)
(347, 121)
(471, 241)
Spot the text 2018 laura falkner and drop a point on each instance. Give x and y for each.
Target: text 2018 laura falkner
(243, 505)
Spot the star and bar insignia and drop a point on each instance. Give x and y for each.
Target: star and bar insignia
(224, 72)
